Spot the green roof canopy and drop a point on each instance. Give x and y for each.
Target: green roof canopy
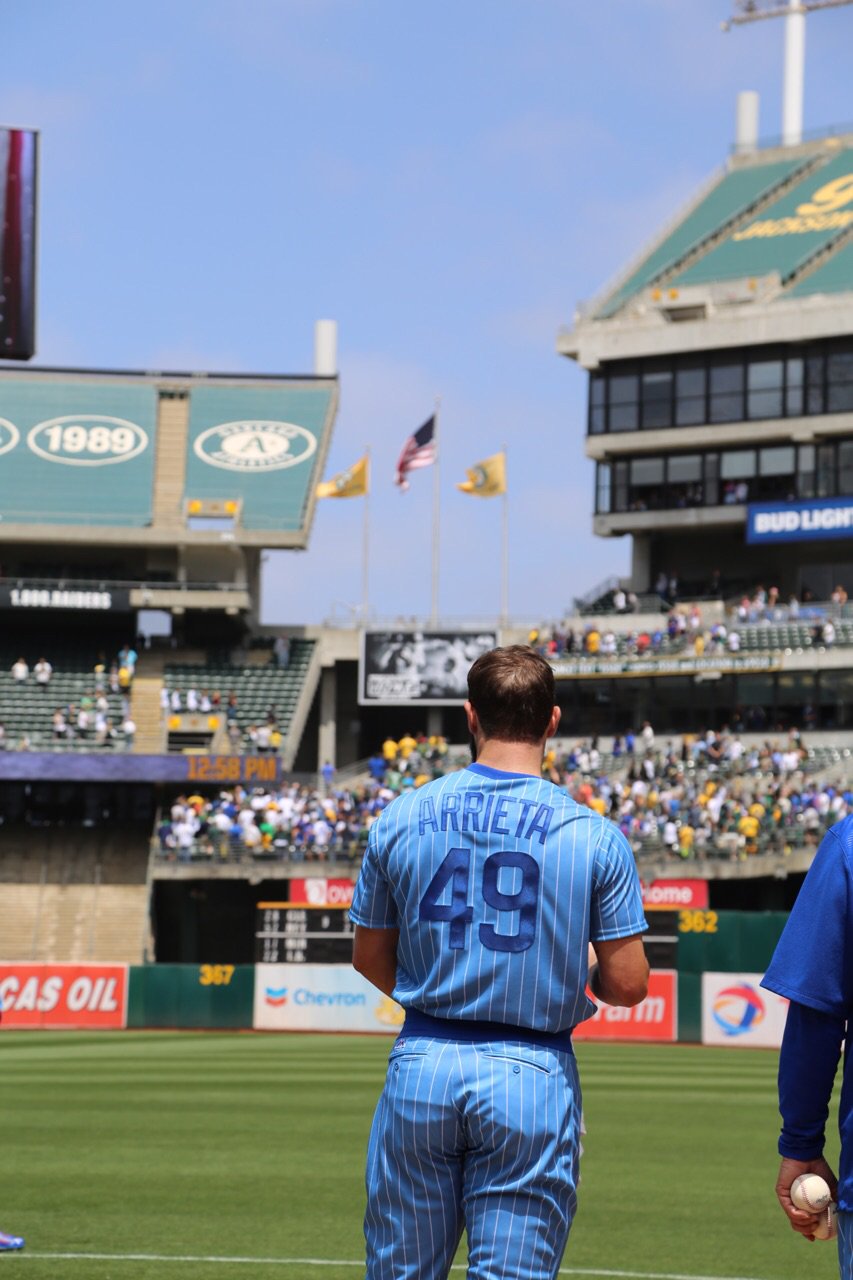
(732, 197)
(808, 217)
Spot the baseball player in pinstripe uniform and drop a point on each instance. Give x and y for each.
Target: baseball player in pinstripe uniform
(477, 899)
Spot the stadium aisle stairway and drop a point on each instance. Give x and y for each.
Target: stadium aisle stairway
(145, 704)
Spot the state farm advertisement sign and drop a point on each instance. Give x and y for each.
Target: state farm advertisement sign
(655, 1019)
(675, 895)
(318, 891)
(64, 995)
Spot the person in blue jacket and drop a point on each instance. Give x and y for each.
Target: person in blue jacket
(813, 968)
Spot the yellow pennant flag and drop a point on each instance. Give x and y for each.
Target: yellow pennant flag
(351, 483)
(486, 479)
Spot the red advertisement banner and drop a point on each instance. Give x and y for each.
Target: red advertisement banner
(320, 891)
(64, 995)
(655, 1019)
(675, 895)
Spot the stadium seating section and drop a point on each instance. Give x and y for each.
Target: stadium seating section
(261, 690)
(760, 637)
(26, 710)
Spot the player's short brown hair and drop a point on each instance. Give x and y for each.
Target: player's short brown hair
(513, 692)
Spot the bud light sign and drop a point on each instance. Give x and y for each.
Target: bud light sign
(812, 519)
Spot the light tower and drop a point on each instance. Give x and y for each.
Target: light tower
(794, 12)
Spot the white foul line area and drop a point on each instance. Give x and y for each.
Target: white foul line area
(344, 1262)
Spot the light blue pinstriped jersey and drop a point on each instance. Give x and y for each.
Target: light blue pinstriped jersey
(497, 881)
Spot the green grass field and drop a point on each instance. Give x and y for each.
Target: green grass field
(184, 1156)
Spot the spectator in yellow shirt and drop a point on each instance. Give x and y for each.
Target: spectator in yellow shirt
(389, 750)
(406, 745)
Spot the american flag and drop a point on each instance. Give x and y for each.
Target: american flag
(418, 451)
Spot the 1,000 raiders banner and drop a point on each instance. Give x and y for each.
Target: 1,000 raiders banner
(420, 667)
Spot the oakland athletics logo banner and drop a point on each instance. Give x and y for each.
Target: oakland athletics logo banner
(486, 479)
(352, 483)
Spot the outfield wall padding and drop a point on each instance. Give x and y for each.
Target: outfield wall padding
(729, 942)
(191, 995)
(690, 1007)
(742, 941)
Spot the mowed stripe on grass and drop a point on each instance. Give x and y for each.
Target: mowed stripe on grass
(202, 1149)
(337, 1262)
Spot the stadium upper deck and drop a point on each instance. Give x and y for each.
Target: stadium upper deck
(721, 381)
(156, 478)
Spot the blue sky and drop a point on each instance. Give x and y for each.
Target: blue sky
(446, 181)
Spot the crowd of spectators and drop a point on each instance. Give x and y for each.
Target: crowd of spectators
(681, 631)
(293, 821)
(88, 718)
(707, 796)
(684, 629)
(298, 820)
(711, 795)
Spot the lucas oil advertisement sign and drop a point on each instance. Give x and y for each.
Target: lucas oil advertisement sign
(64, 995)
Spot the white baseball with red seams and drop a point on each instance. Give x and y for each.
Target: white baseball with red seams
(810, 1192)
(827, 1228)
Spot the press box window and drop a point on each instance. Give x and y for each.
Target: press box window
(602, 488)
(845, 467)
(806, 471)
(737, 465)
(647, 483)
(726, 384)
(684, 469)
(623, 394)
(794, 374)
(764, 389)
(597, 400)
(778, 461)
(690, 397)
(657, 398)
(839, 382)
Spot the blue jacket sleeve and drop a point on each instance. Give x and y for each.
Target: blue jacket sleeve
(813, 961)
(811, 1047)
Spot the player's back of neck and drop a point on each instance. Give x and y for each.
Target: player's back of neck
(511, 757)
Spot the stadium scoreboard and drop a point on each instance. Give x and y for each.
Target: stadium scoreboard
(294, 933)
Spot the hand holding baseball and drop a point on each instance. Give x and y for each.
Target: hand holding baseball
(802, 1220)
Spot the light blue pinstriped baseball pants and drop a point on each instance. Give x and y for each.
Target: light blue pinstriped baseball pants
(845, 1245)
(476, 1136)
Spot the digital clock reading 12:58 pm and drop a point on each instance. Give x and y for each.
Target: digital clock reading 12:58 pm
(232, 768)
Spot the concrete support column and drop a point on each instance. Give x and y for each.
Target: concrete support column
(327, 738)
(434, 721)
(641, 562)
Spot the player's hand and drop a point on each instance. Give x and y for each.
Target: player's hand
(799, 1219)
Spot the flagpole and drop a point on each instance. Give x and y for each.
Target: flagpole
(505, 549)
(365, 545)
(436, 516)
